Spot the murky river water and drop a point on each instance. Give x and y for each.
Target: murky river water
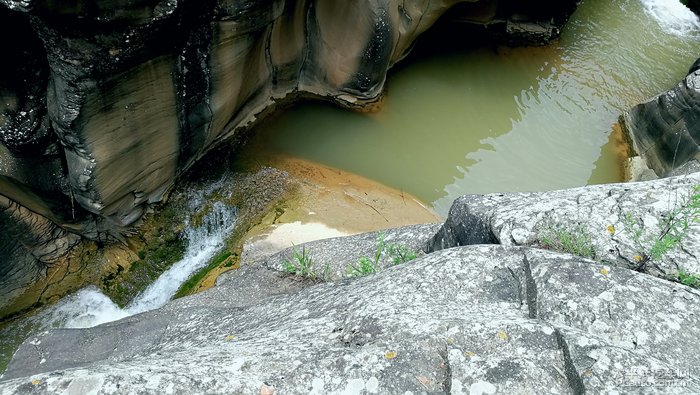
(501, 119)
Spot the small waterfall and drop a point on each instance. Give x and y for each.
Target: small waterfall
(90, 307)
(673, 16)
(203, 242)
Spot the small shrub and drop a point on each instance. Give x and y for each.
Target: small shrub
(363, 267)
(397, 254)
(573, 240)
(674, 227)
(301, 265)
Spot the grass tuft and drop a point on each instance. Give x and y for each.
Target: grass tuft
(574, 240)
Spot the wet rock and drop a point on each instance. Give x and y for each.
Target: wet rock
(474, 319)
(29, 243)
(665, 131)
(621, 222)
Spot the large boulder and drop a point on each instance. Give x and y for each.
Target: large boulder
(475, 319)
(620, 224)
(665, 131)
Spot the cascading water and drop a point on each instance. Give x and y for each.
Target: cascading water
(90, 307)
(203, 242)
(673, 17)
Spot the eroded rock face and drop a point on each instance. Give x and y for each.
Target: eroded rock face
(119, 98)
(103, 104)
(665, 131)
(29, 243)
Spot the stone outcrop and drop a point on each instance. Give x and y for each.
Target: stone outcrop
(459, 319)
(500, 320)
(665, 131)
(29, 244)
(621, 221)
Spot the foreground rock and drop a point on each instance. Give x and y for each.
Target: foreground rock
(665, 131)
(476, 319)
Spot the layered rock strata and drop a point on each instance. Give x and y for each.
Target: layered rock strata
(104, 104)
(119, 99)
(665, 131)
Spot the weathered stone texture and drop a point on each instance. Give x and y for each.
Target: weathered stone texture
(609, 215)
(29, 243)
(461, 320)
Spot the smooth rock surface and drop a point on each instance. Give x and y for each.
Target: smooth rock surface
(475, 319)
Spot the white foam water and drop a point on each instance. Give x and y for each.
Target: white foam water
(203, 242)
(90, 307)
(673, 16)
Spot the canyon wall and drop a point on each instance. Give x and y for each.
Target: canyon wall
(104, 103)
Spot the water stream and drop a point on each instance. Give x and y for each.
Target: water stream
(90, 307)
(496, 119)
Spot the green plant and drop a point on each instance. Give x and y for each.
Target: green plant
(673, 229)
(573, 240)
(363, 267)
(397, 254)
(689, 279)
(301, 264)
(366, 266)
(191, 283)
